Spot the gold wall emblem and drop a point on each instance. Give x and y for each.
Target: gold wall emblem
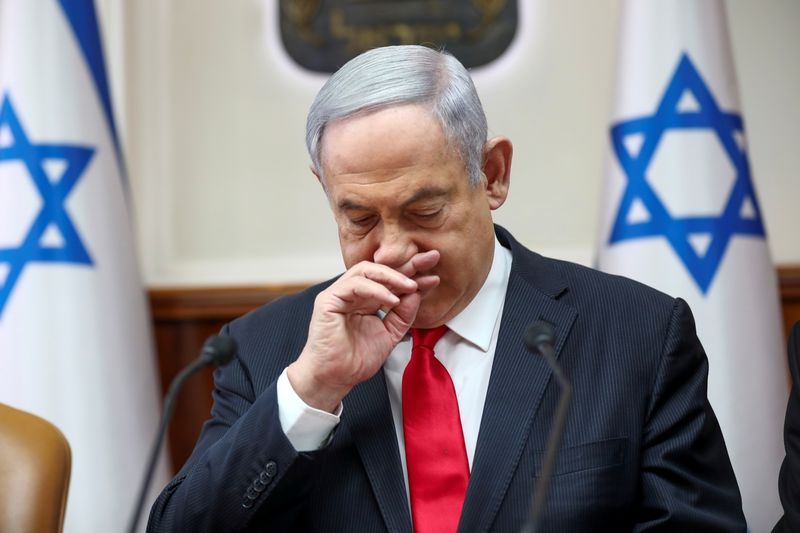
(322, 35)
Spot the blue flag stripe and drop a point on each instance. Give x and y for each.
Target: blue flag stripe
(82, 18)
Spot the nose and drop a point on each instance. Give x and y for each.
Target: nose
(395, 247)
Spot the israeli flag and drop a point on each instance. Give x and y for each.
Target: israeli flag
(75, 340)
(680, 213)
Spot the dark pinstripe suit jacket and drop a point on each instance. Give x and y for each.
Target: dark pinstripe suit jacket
(789, 480)
(642, 449)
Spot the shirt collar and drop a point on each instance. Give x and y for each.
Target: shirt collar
(476, 323)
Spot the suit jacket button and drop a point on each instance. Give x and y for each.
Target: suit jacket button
(251, 494)
(271, 468)
(247, 504)
(264, 478)
(259, 486)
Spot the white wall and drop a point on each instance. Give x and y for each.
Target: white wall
(213, 112)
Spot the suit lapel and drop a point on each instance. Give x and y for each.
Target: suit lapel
(516, 386)
(369, 419)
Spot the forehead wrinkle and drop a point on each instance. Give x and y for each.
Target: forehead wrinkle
(407, 135)
(348, 205)
(352, 187)
(425, 193)
(370, 176)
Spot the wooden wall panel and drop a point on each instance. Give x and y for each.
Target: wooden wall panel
(789, 278)
(183, 318)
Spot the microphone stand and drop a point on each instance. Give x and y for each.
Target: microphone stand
(217, 350)
(539, 338)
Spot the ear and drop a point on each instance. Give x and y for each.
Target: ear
(497, 169)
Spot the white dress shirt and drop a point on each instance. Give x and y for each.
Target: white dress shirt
(466, 351)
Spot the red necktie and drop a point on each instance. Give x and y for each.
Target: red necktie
(436, 458)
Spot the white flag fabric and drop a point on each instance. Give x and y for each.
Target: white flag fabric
(75, 341)
(680, 213)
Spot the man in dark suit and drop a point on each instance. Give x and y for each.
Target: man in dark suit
(352, 407)
(789, 480)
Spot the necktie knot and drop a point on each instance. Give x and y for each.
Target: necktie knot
(427, 337)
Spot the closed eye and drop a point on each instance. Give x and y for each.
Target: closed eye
(362, 221)
(427, 218)
(428, 214)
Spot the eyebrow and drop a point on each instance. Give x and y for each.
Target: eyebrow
(347, 205)
(426, 193)
(423, 194)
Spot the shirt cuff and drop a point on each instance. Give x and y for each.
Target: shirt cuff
(306, 428)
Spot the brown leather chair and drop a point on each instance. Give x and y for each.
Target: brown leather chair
(35, 463)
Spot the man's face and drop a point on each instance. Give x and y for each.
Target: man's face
(396, 188)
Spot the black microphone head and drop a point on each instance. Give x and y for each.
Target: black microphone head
(538, 333)
(219, 350)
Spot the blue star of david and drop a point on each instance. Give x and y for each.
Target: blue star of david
(53, 193)
(677, 230)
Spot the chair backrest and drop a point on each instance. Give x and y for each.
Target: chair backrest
(35, 463)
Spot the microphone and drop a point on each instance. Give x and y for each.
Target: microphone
(218, 350)
(540, 338)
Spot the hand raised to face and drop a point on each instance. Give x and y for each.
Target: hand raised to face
(347, 340)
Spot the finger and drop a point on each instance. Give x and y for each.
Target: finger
(358, 295)
(400, 318)
(427, 282)
(420, 262)
(394, 280)
(426, 261)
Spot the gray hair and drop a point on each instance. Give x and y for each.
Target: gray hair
(396, 75)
